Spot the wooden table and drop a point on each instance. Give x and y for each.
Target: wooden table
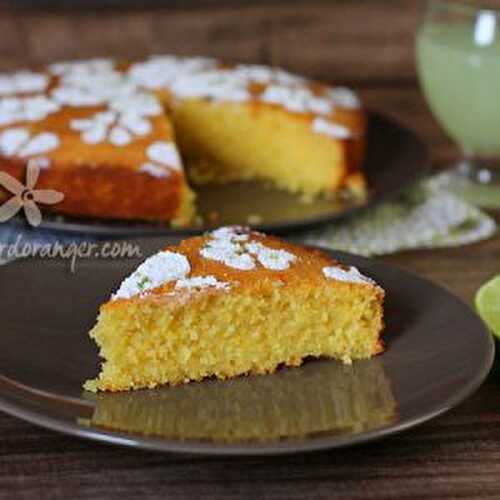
(367, 44)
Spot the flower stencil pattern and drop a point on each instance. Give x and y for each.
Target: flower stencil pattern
(26, 196)
(21, 142)
(30, 109)
(22, 82)
(163, 158)
(126, 119)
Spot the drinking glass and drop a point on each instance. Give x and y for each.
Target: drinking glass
(458, 60)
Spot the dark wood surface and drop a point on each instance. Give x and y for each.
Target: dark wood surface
(368, 44)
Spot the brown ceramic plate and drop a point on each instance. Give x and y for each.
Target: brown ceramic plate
(395, 159)
(438, 353)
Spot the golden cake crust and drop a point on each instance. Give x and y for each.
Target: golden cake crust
(306, 271)
(112, 192)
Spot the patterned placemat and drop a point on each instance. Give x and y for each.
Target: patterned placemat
(426, 216)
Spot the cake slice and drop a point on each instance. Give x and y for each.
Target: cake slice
(229, 303)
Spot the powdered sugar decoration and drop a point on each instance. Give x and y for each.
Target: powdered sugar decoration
(161, 71)
(96, 128)
(230, 246)
(270, 258)
(163, 157)
(136, 104)
(21, 142)
(344, 98)
(161, 268)
(42, 162)
(201, 283)
(283, 89)
(351, 275)
(22, 82)
(99, 90)
(119, 125)
(296, 99)
(164, 153)
(96, 82)
(20, 109)
(331, 129)
(96, 92)
(155, 170)
(90, 83)
(217, 85)
(226, 246)
(254, 73)
(128, 117)
(232, 84)
(75, 96)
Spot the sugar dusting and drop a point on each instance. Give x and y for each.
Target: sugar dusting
(126, 119)
(217, 85)
(153, 272)
(31, 109)
(22, 82)
(164, 153)
(163, 159)
(331, 129)
(40, 143)
(201, 283)
(271, 258)
(155, 170)
(297, 99)
(344, 98)
(21, 142)
(161, 71)
(351, 275)
(231, 246)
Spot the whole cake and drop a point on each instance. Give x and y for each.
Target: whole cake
(229, 303)
(114, 136)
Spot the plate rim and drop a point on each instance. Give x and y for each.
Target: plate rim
(270, 448)
(116, 228)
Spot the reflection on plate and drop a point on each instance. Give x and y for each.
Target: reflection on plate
(339, 399)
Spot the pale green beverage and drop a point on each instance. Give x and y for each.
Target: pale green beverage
(459, 69)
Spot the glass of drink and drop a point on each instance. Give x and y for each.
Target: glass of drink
(458, 58)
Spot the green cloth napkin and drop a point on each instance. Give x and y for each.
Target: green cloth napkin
(426, 216)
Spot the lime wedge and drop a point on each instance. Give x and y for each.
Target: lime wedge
(488, 304)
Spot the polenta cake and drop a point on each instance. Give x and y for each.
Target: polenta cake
(120, 139)
(229, 303)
